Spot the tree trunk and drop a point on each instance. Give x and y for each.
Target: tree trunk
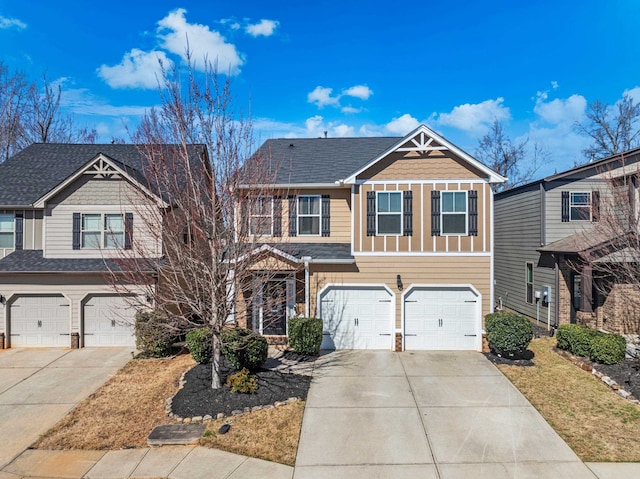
(216, 383)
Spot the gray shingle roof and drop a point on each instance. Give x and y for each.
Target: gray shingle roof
(317, 251)
(32, 261)
(36, 170)
(317, 160)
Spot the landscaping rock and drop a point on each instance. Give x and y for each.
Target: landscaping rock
(176, 434)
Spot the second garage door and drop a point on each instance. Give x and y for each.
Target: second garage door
(357, 317)
(40, 321)
(108, 321)
(444, 318)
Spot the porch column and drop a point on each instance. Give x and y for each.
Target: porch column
(586, 283)
(307, 291)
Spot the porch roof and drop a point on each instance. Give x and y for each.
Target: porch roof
(316, 252)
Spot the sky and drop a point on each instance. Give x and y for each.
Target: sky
(350, 68)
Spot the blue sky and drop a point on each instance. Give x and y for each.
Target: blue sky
(352, 68)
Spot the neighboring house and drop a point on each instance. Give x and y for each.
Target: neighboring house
(66, 211)
(544, 228)
(388, 240)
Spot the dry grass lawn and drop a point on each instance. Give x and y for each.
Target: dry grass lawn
(269, 434)
(596, 423)
(123, 412)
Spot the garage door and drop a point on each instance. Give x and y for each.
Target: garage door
(40, 321)
(108, 321)
(442, 318)
(357, 317)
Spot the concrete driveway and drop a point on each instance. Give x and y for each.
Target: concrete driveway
(38, 387)
(373, 414)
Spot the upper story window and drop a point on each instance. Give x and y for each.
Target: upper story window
(102, 230)
(7, 231)
(580, 206)
(389, 213)
(454, 213)
(309, 215)
(261, 216)
(529, 282)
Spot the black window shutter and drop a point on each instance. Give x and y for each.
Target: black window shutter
(435, 213)
(128, 230)
(277, 216)
(371, 213)
(293, 216)
(595, 206)
(76, 231)
(19, 219)
(472, 200)
(407, 215)
(565, 206)
(326, 215)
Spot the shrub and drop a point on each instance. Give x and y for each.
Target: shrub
(490, 319)
(608, 348)
(509, 333)
(199, 344)
(305, 335)
(154, 336)
(242, 382)
(575, 338)
(244, 349)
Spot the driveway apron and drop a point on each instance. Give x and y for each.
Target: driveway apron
(39, 386)
(424, 414)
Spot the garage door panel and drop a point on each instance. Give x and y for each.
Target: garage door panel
(40, 321)
(108, 321)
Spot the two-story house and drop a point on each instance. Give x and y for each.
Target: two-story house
(67, 212)
(544, 229)
(388, 240)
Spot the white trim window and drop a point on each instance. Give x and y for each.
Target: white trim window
(102, 230)
(261, 216)
(309, 215)
(7, 231)
(389, 213)
(454, 213)
(580, 206)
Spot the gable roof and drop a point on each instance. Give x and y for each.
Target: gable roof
(38, 169)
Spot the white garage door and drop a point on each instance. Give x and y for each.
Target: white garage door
(108, 321)
(442, 318)
(357, 317)
(40, 321)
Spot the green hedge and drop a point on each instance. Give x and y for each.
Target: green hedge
(243, 348)
(508, 334)
(200, 344)
(154, 336)
(305, 335)
(586, 342)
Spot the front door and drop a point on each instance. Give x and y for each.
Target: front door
(274, 303)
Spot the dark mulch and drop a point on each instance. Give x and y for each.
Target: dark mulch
(524, 359)
(626, 374)
(197, 398)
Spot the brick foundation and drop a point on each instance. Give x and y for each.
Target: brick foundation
(75, 340)
(398, 342)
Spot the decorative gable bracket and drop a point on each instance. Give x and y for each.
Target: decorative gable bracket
(102, 169)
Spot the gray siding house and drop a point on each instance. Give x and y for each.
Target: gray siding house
(543, 228)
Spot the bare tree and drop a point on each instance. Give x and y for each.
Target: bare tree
(194, 146)
(512, 160)
(14, 89)
(612, 129)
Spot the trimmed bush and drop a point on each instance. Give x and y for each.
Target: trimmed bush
(608, 348)
(199, 344)
(508, 334)
(305, 335)
(575, 338)
(491, 318)
(154, 336)
(243, 348)
(242, 382)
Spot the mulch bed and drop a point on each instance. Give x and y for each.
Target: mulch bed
(626, 374)
(524, 359)
(197, 398)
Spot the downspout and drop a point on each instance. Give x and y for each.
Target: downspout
(307, 288)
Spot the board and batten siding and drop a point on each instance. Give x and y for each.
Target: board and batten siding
(32, 230)
(517, 235)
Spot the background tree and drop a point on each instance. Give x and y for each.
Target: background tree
(513, 160)
(612, 129)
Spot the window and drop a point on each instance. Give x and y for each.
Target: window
(261, 218)
(529, 281)
(580, 206)
(7, 230)
(454, 213)
(389, 213)
(309, 215)
(102, 231)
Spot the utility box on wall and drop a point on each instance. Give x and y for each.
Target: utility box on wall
(546, 294)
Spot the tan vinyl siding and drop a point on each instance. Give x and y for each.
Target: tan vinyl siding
(408, 166)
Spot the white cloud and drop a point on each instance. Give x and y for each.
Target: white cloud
(475, 118)
(343, 130)
(263, 28)
(138, 69)
(321, 96)
(359, 91)
(634, 93)
(81, 101)
(179, 36)
(561, 111)
(350, 110)
(402, 125)
(11, 23)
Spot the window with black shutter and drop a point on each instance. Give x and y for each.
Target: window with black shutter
(128, 230)
(277, 216)
(293, 216)
(371, 213)
(76, 231)
(326, 215)
(595, 206)
(435, 213)
(472, 199)
(407, 213)
(19, 231)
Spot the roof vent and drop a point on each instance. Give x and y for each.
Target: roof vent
(290, 145)
(325, 133)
